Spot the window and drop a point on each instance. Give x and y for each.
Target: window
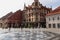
(41, 14)
(32, 14)
(29, 15)
(58, 18)
(49, 25)
(36, 4)
(49, 19)
(53, 19)
(1, 24)
(58, 25)
(54, 25)
(29, 19)
(32, 19)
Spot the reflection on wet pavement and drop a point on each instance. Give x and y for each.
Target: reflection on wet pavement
(29, 35)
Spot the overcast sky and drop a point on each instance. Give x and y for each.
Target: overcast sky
(7, 6)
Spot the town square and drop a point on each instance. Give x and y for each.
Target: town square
(34, 21)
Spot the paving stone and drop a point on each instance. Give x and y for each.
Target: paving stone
(28, 35)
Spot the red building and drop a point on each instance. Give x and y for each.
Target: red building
(12, 19)
(15, 20)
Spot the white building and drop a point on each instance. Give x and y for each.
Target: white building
(53, 19)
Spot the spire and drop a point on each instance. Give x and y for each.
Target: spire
(51, 8)
(24, 5)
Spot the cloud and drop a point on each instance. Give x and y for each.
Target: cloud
(13, 5)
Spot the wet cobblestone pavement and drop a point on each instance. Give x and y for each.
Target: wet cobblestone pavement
(29, 35)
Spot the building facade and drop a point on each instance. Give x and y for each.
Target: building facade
(4, 20)
(15, 20)
(12, 20)
(34, 15)
(53, 19)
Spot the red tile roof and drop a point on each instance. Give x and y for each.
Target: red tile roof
(16, 17)
(6, 16)
(56, 11)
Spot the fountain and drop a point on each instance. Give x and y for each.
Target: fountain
(41, 33)
(38, 34)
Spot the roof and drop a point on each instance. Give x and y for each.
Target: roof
(6, 16)
(56, 11)
(16, 15)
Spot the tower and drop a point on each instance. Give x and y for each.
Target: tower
(24, 5)
(36, 0)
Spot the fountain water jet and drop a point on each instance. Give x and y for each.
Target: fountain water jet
(42, 35)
